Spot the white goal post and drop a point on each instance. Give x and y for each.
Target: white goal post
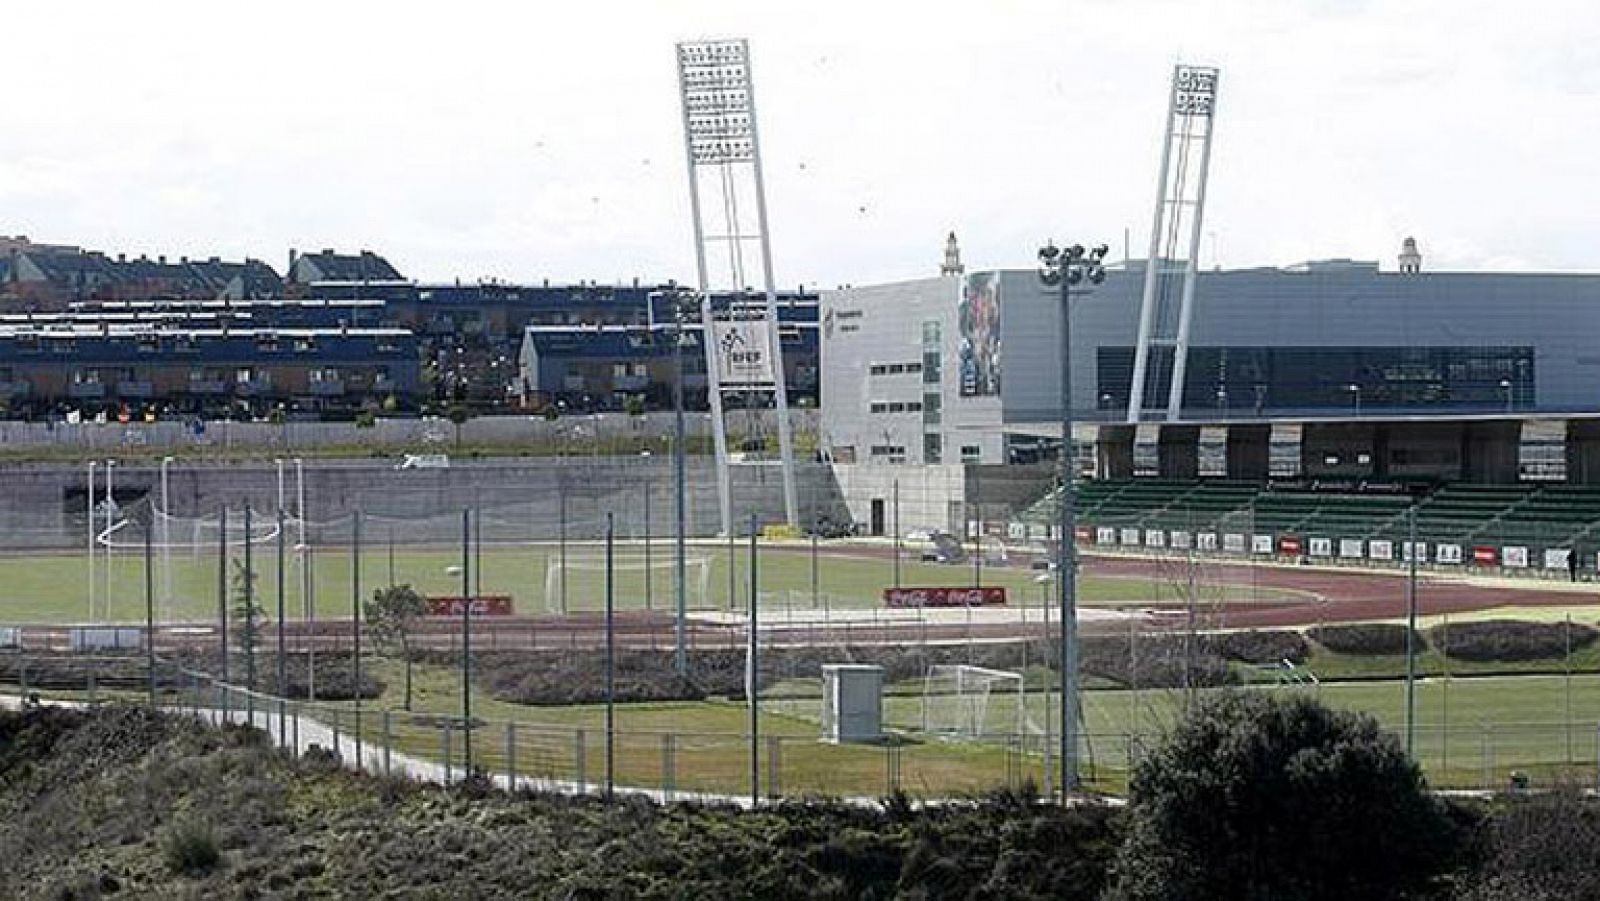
(580, 580)
(956, 703)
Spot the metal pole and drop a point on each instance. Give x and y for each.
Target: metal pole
(680, 656)
(1152, 275)
(283, 678)
(611, 658)
(1411, 628)
(111, 521)
(977, 537)
(91, 524)
(166, 541)
(753, 681)
(561, 538)
(1066, 561)
(477, 554)
(897, 533)
(355, 621)
(814, 586)
(466, 641)
(222, 588)
(249, 636)
(307, 592)
(150, 612)
(649, 574)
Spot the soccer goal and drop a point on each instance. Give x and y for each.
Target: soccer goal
(972, 702)
(579, 582)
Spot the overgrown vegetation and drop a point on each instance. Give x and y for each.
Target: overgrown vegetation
(1364, 638)
(1253, 796)
(124, 801)
(1511, 640)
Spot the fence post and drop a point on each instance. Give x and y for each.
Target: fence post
(511, 756)
(444, 740)
(296, 728)
(283, 723)
(1488, 760)
(774, 766)
(667, 767)
(388, 743)
(580, 764)
(334, 716)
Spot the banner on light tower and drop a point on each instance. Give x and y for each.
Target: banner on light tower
(744, 353)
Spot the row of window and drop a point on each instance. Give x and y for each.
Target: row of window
(910, 406)
(894, 368)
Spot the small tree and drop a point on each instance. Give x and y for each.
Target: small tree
(391, 615)
(458, 417)
(1256, 797)
(247, 615)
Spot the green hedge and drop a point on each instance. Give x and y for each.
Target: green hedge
(1364, 638)
(1259, 647)
(1510, 640)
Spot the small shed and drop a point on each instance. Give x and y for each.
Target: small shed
(852, 702)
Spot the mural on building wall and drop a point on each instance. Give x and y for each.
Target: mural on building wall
(980, 335)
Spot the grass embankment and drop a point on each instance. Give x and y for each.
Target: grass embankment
(121, 802)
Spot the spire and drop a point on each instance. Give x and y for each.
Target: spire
(1410, 257)
(952, 257)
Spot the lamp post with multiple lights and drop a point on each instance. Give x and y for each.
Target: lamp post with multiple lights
(1067, 269)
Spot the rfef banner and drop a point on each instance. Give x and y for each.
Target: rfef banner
(944, 597)
(1485, 556)
(487, 605)
(1289, 545)
(744, 352)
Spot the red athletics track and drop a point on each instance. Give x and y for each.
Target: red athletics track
(1345, 595)
(1332, 595)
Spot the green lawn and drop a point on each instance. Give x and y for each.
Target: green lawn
(53, 588)
(1470, 732)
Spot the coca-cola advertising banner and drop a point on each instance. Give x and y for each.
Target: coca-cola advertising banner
(944, 597)
(487, 605)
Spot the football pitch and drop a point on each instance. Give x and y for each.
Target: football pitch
(55, 588)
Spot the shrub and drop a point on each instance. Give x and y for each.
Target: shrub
(1259, 797)
(1258, 647)
(190, 846)
(1537, 846)
(1505, 639)
(1364, 638)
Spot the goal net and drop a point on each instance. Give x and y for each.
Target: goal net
(974, 702)
(578, 582)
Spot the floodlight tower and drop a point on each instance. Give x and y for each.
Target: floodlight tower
(1180, 206)
(721, 142)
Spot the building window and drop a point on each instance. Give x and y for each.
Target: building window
(971, 453)
(889, 453)
(932, 448)
(932, 404)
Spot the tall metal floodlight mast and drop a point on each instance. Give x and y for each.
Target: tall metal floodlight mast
(1180, 207)
(743, 348)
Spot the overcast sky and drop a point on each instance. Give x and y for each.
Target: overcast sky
(532, 140)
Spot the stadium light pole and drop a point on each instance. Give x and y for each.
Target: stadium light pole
(1355, 394)
(1505, 392)
(1064, 269)
(683, 303)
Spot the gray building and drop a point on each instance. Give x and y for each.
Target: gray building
(1331, 369)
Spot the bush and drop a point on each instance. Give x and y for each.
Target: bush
(190, 847)
(1364, 638)
(1537, 846)
(1510, 640)
(1258, 647)
(1257, 797)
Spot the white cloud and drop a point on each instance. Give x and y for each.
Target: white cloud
(524, 140)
